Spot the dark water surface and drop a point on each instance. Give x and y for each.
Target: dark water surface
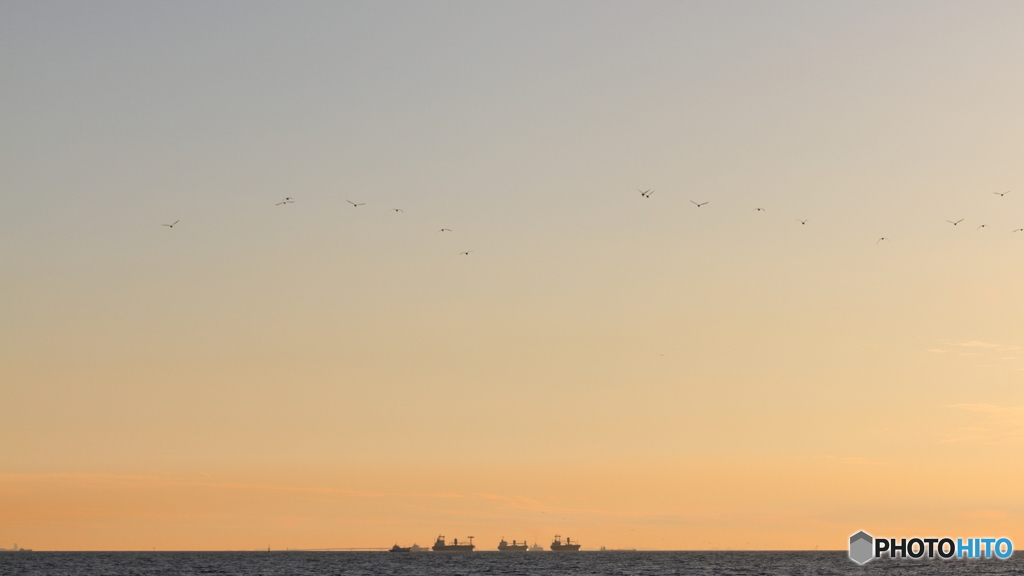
(484, 563)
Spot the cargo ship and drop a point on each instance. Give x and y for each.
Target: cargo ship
(558, 546)
(513, 547)
(536, 548)
(413, 548)
(440, 546)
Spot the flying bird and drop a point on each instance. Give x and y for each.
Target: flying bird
(1019, 230)
(443, 230)
(699, 205)
(1002, 193)
(171, 225)
(354, 205)
(645, 193)
(982, 226)
(882, 238)
(398, 210)
(955, 223)
(802, 221)
(466, 253)
(288, 200)
(758, 209)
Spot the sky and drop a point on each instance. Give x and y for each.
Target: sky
(626, 371)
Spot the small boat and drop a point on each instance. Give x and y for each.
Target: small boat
(558, 546)
(440, 546)
(513, 547)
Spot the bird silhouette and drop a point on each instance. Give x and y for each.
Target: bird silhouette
(1019, 230)
(288, 200)
(645, 193)
(804, 222)
(982, 226)
(443, 230)
(955, 223)
(398, 210)
(759, 210)
(1002, 193)
(171, 225)
(882, 238)
(699, 205)
(354, 205)
(466, 253)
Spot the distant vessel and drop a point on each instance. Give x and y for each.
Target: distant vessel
(15, 549)
(416, 548)
(513, 547)
(397, 548)
(536, 548)
(557, 545)
(440, 546)
(603, 549)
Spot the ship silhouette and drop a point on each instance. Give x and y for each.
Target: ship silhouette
(513, 547)
(397, 548)
(440, 545)
(558, 546)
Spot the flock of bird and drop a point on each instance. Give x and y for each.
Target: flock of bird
(291, 200)
(647, 194)
(643, 193)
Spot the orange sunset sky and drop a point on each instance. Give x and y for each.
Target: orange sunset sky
(630, 371)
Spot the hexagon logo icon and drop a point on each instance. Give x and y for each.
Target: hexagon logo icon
(861, 545)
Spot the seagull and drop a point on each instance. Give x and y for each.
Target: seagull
(443, 230)
(1002, 193)
(880, 239)
(466, 253)
(955, 223)
(758, 209)
(982, 226)
(1019, 230)
(699, 205)
(288, 200)
(645, 193)
(398, 210)
(804, 222)
(171, 225)
(354, 204)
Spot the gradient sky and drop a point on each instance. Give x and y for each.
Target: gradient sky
(629, 372)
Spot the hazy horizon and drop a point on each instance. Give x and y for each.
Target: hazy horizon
(628, 371)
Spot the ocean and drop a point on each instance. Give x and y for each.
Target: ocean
(483, 563)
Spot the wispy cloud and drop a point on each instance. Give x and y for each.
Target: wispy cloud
(982, 350)
(979, 344)
(998, 425)
(854, 460)
(126, 479)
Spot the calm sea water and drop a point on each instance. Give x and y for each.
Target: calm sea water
(484, 563)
